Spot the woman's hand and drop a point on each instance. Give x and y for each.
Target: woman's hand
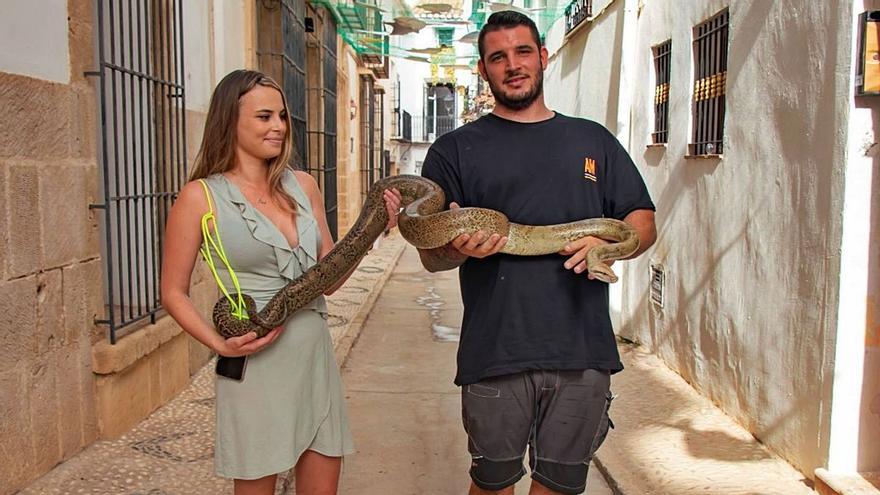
(392, 205)
(247, 344)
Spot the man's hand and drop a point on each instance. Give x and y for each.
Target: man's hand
(392, 206)
(247, 344)
(577, 252)
(479, 244)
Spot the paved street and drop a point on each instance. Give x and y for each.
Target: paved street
(395, 326)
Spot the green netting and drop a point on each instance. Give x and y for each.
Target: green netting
(373, 28)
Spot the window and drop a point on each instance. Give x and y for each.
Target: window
(143, 150)
(662, 54)
(444, 36)
(440, 105)
(303, 62)
(710, 76)
(372, 105)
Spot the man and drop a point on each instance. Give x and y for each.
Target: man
(537, 348)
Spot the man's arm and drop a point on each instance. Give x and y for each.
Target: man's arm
(643, 223)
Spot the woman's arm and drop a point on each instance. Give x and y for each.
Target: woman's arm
(183, 236)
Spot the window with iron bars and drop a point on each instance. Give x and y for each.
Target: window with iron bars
(369, 164)
(321, 105)
(710, 78)
(662, 55)
(143, 149)
(281, 54)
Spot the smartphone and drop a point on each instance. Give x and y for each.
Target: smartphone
(231, 367)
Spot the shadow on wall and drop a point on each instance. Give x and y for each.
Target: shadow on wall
(575, 66)
(794, 116)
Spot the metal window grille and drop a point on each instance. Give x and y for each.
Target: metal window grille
(281, 53)
(143, 148)
(321, 103)
(710, 77)
(662, 56)
(379, 133)
(368, 137)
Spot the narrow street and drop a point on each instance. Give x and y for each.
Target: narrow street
(395, 335)
(404, 408)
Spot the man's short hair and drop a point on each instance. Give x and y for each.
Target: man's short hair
(507, 19)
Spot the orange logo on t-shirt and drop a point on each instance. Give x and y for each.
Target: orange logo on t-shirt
(590, 169)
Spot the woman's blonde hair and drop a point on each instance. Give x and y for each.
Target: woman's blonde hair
(217, 151)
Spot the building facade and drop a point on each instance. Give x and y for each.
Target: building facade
(762, 289)
(101, 116)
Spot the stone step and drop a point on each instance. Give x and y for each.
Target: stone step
(828, 483)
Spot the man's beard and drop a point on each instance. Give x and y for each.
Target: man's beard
(519, 102)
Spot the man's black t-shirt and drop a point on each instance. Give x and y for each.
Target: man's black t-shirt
(529, 312)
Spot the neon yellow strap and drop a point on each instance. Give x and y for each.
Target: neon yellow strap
(208, 242)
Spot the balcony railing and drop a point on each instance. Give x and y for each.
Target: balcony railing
(576, 13)
(423, 129)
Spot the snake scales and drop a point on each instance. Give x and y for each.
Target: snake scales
(424, 224)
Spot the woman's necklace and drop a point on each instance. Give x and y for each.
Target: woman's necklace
(262, 199)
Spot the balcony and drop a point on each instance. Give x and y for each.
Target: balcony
(576, 13)
(420, 129)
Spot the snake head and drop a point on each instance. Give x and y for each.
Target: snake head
(603, 272)
(229, 325)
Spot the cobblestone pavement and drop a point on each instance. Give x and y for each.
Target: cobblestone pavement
(670, 440)
(171, 451)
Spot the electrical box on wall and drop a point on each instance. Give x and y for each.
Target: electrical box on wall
(658, 283)
(868, 62)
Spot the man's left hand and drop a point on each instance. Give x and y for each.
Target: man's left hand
(577, 253)
(392, 206)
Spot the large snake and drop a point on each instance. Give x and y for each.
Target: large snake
(426, 225)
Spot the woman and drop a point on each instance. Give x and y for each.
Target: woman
(287, 410)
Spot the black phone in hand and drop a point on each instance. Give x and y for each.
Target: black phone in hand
(231, 367)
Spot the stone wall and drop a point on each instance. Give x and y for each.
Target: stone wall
(53, 402)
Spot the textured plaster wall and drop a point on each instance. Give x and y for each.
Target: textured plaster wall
(749, 241)
(42, 53)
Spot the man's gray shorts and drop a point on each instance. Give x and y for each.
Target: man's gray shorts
(561, 415)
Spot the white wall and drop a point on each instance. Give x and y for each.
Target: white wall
(752, 296)
(197, 55)
(214, 45)
(751, 241)
(43, 53)
(584, 70)
(229, 36)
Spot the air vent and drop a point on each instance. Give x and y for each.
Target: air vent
(658, 281)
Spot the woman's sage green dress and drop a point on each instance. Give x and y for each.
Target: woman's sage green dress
(290, 399)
